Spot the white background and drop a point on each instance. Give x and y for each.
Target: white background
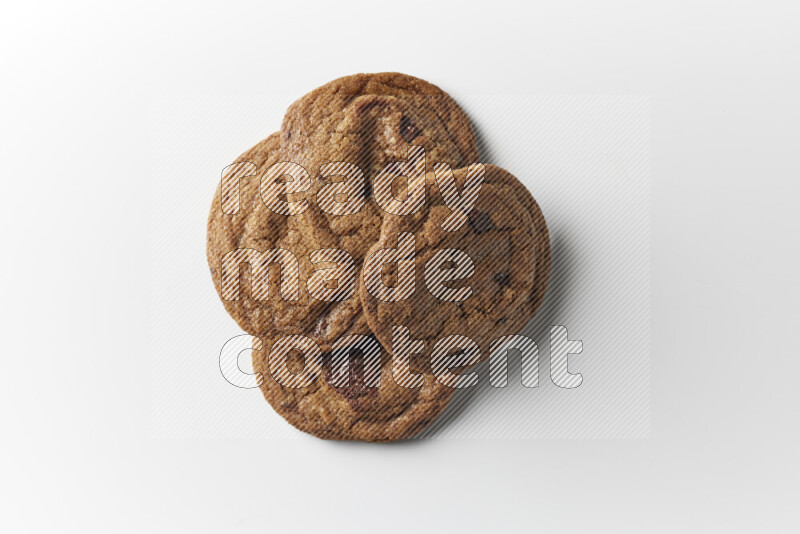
(77, 451)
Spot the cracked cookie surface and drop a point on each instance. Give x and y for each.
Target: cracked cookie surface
(387, 412)
(497, 296)
(366, 120)
(370, 121)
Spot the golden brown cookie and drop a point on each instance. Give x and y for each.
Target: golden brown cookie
(369, 121)
(366, 120)
(254, 227)
(352, 410)
(480, 279)
(542, 242)
(317, 208)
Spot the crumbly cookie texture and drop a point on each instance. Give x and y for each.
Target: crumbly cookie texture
(259, 228)
(370, 121)
(542, 259)
(505, 247)
(387, 412)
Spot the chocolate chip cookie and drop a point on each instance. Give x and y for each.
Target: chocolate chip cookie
(350, 409)
(481, 277)
(367, 121)
(296, 216)
(249, 289)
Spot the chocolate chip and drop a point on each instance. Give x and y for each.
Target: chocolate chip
(480, 221)
(502, 278)
(356, 391)
(367, 188)
(408, 130)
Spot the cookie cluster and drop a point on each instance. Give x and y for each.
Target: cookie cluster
(373, 186)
